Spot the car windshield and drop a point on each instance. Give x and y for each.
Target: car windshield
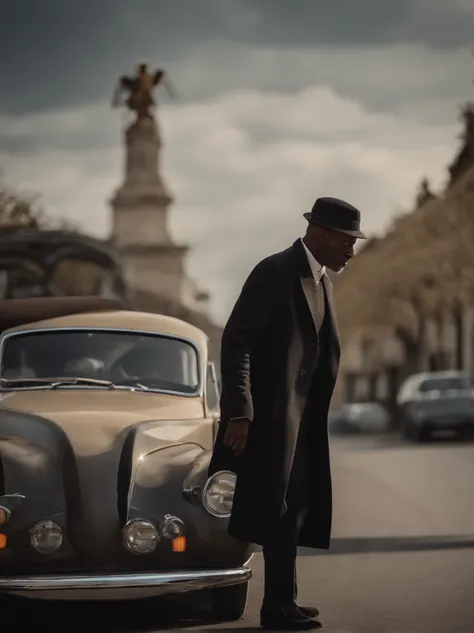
(444, 384)
(100, 358)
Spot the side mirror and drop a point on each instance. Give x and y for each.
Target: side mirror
(212, 389)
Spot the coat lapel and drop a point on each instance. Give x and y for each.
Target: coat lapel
(332, 316)
(308, 283)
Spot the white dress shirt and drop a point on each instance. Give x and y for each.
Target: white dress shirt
(316, 268)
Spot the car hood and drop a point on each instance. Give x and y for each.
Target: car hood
(93, 420)
(94, 455)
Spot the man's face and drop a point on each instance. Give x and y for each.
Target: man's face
(336, 249)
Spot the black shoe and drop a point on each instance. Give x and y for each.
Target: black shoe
(286, 618)
(309, 612)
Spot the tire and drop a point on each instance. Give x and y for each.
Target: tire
(466, 433)
(229, 603)
(422, 435)
(408, 431)
(416, 434)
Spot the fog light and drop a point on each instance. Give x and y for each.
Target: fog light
(46, 537)
(172, 527)
(140, 536)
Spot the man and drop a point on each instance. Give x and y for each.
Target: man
(279, 362)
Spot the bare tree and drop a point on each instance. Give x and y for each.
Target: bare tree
(19, 210)
(421, 272)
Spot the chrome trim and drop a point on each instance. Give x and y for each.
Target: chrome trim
(12, 500)
(168, 582)
(208, 412)
(7, 514)
(170, 519)
(193, 494)
(199, 391)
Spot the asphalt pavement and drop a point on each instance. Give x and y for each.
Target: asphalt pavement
(401, 561)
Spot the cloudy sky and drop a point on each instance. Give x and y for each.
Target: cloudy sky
(280, 101)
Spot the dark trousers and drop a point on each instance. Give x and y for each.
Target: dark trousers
(280, 554)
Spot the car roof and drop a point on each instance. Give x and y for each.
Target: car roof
(99, 314)
(415, 380)
(16, 312)
(436, 375)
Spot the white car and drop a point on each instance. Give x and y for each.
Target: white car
(359, 417)
(436, 401)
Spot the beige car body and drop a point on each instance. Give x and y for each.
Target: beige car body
(67, 408)
(172, 442)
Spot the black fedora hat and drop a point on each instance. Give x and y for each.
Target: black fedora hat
(337, 215)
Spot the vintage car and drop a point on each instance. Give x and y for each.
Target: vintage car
(359, 417)
(107, 422)
(434, 402)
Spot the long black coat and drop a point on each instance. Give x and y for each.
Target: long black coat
(268, 362)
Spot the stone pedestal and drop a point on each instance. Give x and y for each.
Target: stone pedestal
(140, 217)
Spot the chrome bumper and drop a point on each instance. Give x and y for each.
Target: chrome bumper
(169, 582)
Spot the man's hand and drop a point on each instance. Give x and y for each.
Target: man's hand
(236, 435)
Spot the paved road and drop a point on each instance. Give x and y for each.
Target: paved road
(402, 559)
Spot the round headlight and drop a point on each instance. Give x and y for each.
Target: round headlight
(140, 536)
(172, 527)
(46, 537)
(218, 494)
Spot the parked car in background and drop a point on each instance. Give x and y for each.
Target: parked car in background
(48, 263)
(436, 401)
(107, 422)
(359, 417)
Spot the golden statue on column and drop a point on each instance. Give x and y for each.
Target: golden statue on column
(137, 92)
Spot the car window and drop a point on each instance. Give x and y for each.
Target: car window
(123, 358)
(443, 384)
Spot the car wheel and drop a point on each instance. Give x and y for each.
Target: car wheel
(466, 433)
(409, 431)
(416, 433)
(229, 603)
(422, 434)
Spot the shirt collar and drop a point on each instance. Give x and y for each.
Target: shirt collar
(317, 270)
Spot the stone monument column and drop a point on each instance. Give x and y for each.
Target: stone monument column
(140, 207)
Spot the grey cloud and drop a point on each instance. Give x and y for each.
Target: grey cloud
(388, 78)
(56, 53)
(436, 23)
(401, 81)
